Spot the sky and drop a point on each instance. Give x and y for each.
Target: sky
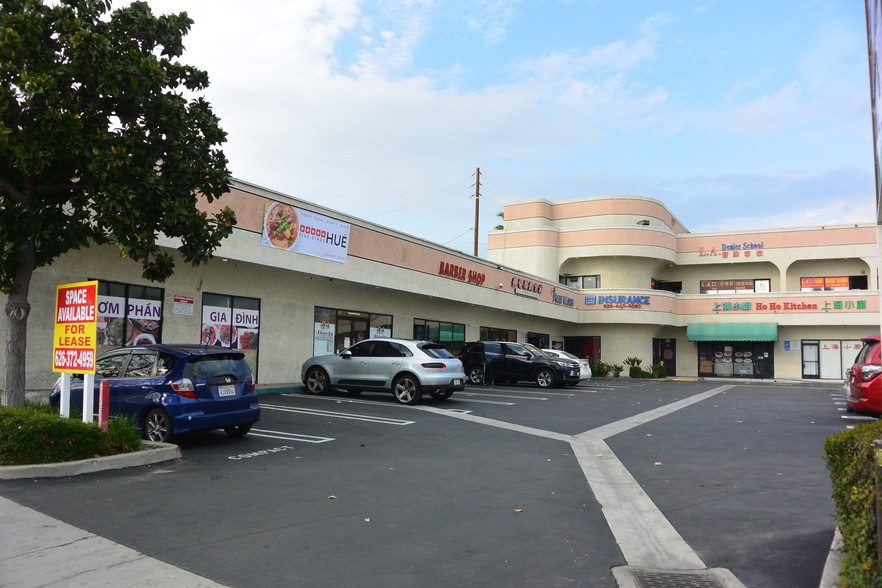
(736, 114)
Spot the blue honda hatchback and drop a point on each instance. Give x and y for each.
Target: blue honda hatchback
(173, 389)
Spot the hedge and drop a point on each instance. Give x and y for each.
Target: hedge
(849, 457)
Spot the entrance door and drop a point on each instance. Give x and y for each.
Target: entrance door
(811, 359)
(664, 351)
(351, 328)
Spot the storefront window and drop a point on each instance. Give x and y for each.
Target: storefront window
(336, 329)
(580, 282)
(495, 334)
(128, 314)
(738, 359)
(452, 335)
(540, 340)
(734, 286)
(827, 359)
(833, 284)
(232, 322)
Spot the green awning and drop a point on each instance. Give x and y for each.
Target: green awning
(732, 332)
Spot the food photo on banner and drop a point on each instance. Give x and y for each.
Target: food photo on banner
(302, 231)
(226, 327)
(130, 321)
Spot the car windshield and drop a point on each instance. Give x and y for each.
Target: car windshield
(535, 351)
(569, 355)
(435, 350)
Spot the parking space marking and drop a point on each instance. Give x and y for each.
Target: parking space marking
(289, 436)
(469, 399)
(505, 396)
(339, 415)
(854, 417)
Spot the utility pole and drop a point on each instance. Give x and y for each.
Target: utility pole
(477, 204)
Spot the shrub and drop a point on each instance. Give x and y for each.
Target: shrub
(600, 369)
(617, 370)
(122, 435)
(632, 361)
(659, 371)
(635, 371)
(35, 435)
(849, 458)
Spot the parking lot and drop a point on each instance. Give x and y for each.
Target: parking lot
(503, 485)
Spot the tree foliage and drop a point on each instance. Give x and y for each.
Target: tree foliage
(103, 140)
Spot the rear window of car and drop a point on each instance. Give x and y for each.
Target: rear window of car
(216, 367)
(493, 348)
(435, 350)
(866, 352)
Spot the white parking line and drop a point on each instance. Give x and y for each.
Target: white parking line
(858, 417)
(289, 436)
(470, 394)
(339, 415)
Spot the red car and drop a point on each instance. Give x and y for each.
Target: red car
(864, 380)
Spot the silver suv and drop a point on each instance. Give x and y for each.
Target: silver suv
(401, 366)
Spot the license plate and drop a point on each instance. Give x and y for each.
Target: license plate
(457, 382)
(226, 390)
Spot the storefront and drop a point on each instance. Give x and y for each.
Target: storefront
(734, 350)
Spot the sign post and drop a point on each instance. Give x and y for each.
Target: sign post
(74, 341)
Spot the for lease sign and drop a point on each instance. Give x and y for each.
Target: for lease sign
(73, 343)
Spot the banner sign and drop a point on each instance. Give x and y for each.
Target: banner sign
(76, 317)
(302, 231)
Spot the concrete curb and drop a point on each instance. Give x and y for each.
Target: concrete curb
(151, 452)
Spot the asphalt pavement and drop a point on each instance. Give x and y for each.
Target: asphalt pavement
(39, 550)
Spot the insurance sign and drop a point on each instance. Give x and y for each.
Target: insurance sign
(74, 340)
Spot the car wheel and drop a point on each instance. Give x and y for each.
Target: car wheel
(158, 426)
(407, 389)
(476, 375)
(238, 430)
(317, 381)
(442, 394)
(545, 378)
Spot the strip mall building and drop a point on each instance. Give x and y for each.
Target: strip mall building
(608, 278)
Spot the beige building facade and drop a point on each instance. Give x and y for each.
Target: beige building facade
(607, 278)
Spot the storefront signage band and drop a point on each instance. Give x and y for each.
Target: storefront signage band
(618, 301)
(802, 306)
(457, 272)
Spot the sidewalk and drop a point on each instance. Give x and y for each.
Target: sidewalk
(37, 550)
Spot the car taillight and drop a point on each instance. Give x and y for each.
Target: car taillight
(184, 387)
(868, 372)
(435, 365)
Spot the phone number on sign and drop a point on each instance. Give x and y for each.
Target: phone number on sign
(83, 359)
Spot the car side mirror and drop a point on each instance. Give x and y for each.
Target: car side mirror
(346, 354)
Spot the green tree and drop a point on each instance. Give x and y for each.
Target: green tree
(103, 140)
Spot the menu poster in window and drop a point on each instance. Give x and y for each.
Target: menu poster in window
(380, 332)
(246, 323)
(323, 338)
(217, 326)
(111, 320)
(144, 320)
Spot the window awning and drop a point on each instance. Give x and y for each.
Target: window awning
(732, 332)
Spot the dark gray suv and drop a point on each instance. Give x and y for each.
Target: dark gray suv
(486, 362)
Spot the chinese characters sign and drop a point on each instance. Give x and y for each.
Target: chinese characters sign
(827, 305)
(73, 343)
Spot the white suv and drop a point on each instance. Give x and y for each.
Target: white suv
(401, 366)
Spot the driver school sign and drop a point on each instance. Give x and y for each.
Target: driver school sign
(74, 338)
